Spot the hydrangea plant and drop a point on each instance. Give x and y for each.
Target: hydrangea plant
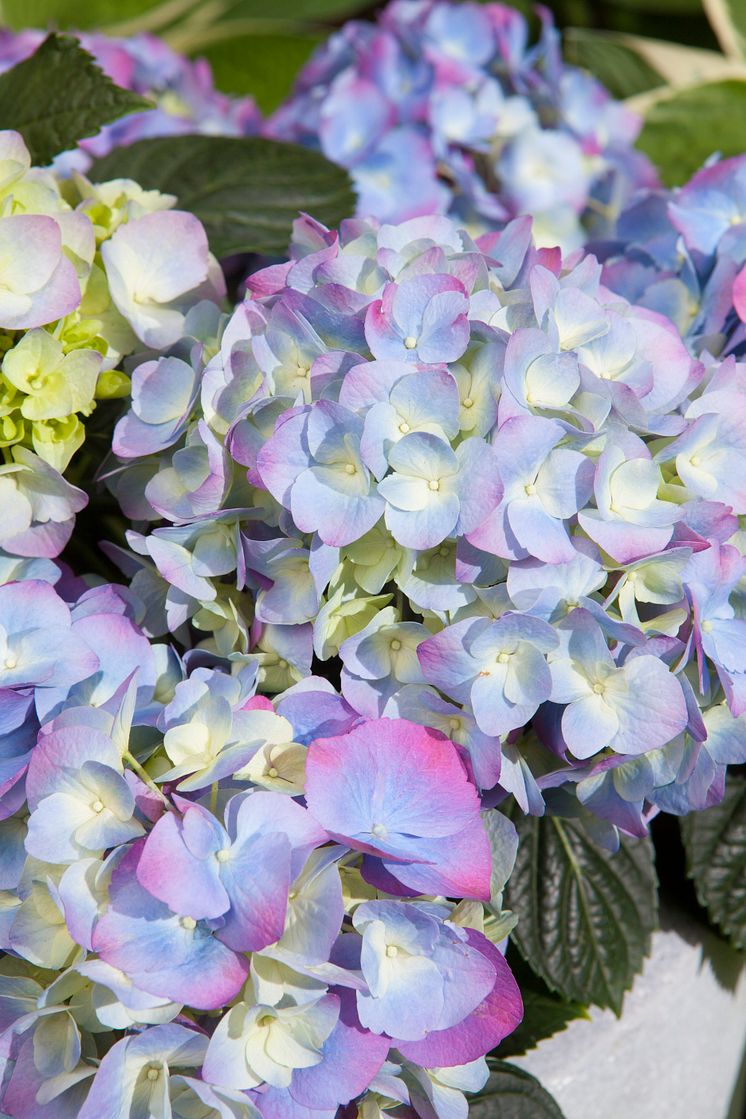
(435, 529)
(448, 108)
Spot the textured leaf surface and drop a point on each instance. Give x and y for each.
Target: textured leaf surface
(247, 192)
(59, 96)
(585, 915)
(511, 1093)
(715, 843)
(682, 131)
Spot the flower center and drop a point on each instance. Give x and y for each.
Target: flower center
(403, 428)
(410, 342)
(379, 829)
(188, 923)
(98, 806)
(222, 855)
(503, 658)
(530, 489)
(153, 1073)
(598, 688)
(454, 724)
(11, 662)
(468, 402)
(350, 468)
(706, 627)
(695, 460)
(395, 645)
(282, 663)
(272, 772)
(433, 485)
(392, 951)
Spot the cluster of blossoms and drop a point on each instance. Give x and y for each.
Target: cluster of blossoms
(446, 108)
(185, 98)
(683, 253)
(88, 274)
(214, 905)
(501, 500)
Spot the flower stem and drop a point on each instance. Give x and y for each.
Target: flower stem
(143, 774)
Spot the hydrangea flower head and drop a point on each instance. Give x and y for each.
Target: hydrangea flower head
(445, 108)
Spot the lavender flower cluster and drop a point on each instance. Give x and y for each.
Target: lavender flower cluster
(683, 253)
(448, 108)
(503, 499)
(185, 934)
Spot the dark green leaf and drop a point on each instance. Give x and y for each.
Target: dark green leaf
(59, 96)
(617, 65)
(584, 915)
(715, 843)
(247, 192)
(263, 65)
(511, 1093)
(682, 131)
(544, 1013)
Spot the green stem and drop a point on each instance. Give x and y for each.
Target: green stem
(143, 774)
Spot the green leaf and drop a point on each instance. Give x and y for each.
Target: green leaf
(614, 62)
(309, 10)
(511, 1093)
(715, 843)
(59, 96)
(247, 192)
(544, 1013)
(585, 915)
(683, 130)
(728, 21)
(264, 66)
(18, 14)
